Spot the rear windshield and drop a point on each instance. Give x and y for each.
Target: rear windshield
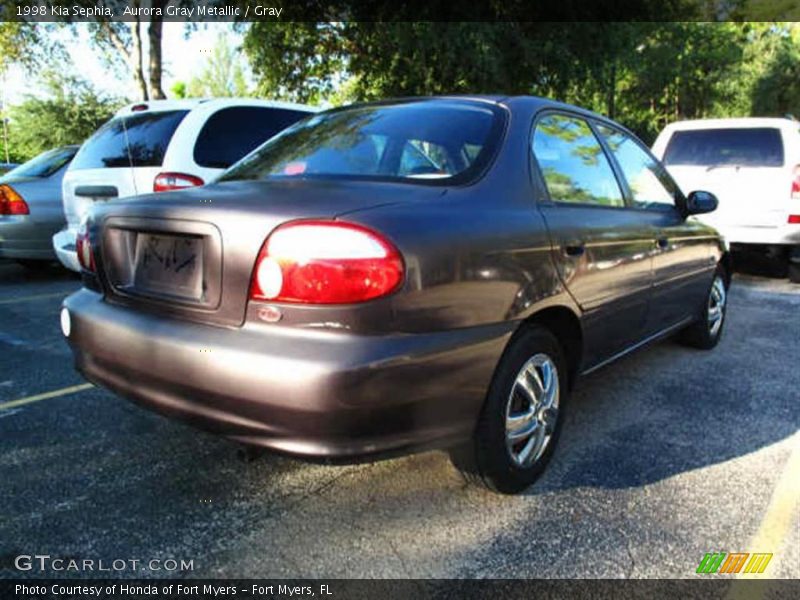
(424, 141)
(137, 140)
(45, 164)
(757, 147)
(232, 132)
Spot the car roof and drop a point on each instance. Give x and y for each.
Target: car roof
(208, 103)
(733, 123)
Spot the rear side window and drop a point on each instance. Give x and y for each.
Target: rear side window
(756, 147)
(231, 133)
(573, 164)
(138, 140)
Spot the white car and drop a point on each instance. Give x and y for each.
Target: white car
(753, 167)
(164, 145)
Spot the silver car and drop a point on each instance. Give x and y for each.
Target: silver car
(30, 207)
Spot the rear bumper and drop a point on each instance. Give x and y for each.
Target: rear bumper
(23, 239)
(310, 393)
(64, 246)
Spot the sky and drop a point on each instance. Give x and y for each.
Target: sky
(182, 58)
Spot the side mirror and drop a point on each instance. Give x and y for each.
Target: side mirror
(698, 203)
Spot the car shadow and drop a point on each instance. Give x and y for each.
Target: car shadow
(13, 273)
(112, 479)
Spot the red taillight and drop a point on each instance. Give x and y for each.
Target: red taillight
(84, 249)
(325, 262)
(11, 203)
(165, 182)
(796, 183)
(794, 219)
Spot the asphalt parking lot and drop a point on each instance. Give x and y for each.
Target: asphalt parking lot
(666, 455)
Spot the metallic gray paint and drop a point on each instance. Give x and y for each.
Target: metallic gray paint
(406, 371)
(29, 236)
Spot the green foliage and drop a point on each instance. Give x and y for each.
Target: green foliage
(179, 89)
(68, 113)
(643, 74)
(28, 44)
(222, 77)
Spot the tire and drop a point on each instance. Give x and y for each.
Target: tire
(794, 265)
(794, 273)
(706, 332)
(487, 459)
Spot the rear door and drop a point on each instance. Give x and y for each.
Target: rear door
(744, 167)
(603, 249)
(121, 159)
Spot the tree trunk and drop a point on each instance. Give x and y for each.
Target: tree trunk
(138, 71)
(612, 92)
(154, 33)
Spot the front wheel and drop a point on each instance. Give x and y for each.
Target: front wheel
(521, 419)
(706, 332)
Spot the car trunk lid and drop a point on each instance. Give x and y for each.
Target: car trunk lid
(191, 253)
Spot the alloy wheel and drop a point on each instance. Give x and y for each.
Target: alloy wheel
(532, 410)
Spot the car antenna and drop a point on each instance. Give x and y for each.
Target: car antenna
(128, 150)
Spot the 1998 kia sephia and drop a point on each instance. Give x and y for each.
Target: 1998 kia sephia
(396, 276)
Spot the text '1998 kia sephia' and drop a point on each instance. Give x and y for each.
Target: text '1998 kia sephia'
(389, 277)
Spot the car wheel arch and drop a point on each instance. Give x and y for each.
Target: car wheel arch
(566, 326)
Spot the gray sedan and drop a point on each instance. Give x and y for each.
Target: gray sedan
(395, 276)
(30, 207)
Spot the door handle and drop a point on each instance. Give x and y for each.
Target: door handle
(575, 248)
(662, 243)
(97, 191)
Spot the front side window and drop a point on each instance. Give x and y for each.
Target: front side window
(573, 164)
(650, 186)
(136, 140)
(422, 141)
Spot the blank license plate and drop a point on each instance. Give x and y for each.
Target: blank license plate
(169, 265)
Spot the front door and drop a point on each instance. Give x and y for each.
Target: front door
(684, 260)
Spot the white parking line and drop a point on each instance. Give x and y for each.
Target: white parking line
(46, 396)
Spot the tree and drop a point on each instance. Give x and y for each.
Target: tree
(68, 112)
(223, 75)
(28, 44)
(644, 74)
(121, 45)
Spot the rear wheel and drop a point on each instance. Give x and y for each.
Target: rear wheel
(521, 419)
(705, 333)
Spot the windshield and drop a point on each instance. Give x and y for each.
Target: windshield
(426, 141)
(45, 164)
(137, 140)
(756, 147)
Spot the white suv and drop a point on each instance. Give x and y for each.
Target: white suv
(164, 145)
(753, 167)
